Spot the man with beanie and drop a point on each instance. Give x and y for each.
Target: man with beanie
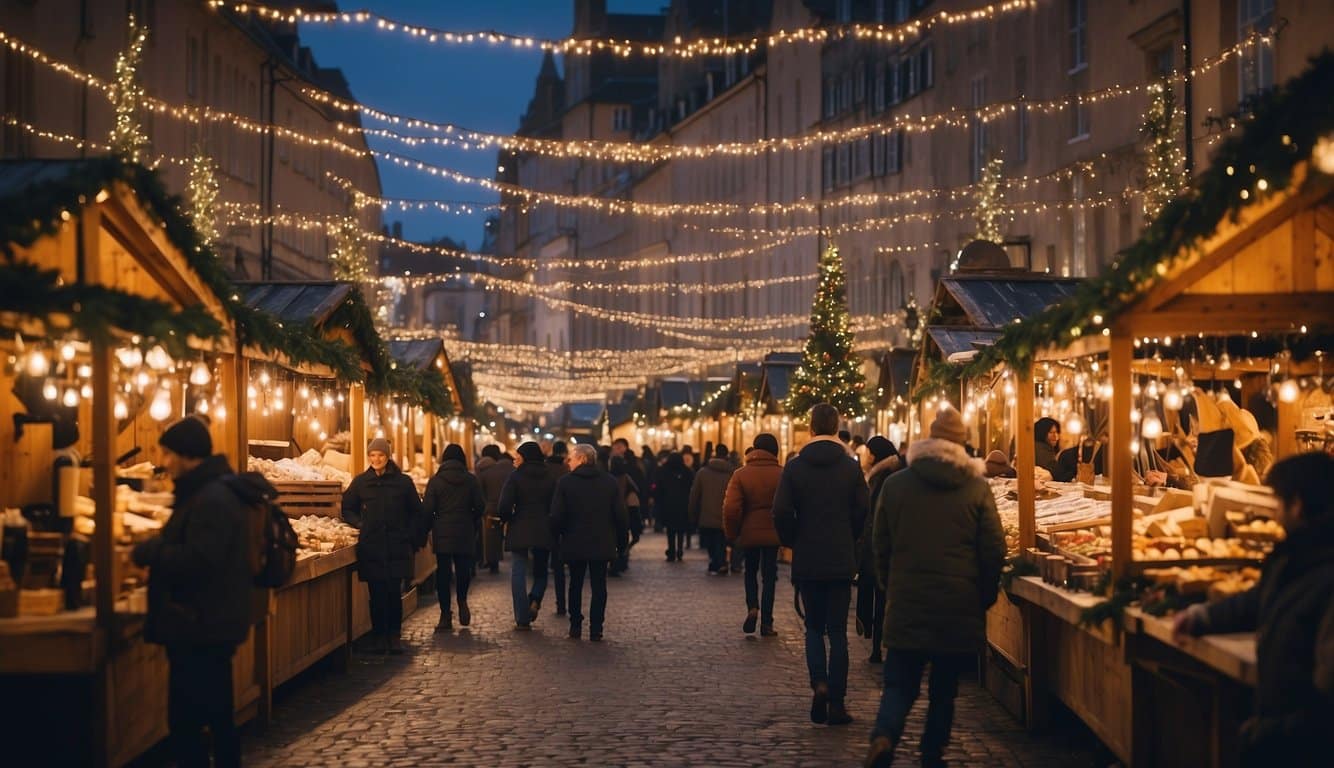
(525, 504)
(885, 461)
(454, 506)
(819, 510)
(493, 470)
(199, 595)
(382, 503)
(938, 549)
(748, 521)
(706, 508)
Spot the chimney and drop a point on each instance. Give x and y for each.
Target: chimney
(398, 230)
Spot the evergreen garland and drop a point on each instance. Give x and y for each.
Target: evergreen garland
(830, 371)
(127, 137)
(1281, 133)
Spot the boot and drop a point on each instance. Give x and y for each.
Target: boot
(465, 615)
(395, 646)
(875, 657)
(820, 704)
(752, 617)
(446, 624)
(881, 753)
(838, 714)
(534, 608)
(768, 631)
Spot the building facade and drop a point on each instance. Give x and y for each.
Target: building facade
(250, 75)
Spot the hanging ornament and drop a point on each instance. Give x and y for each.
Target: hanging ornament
(160, 409)
(1060, 388)
(86, 391)
(142, 380)
(199, 374)
(220, 412)
(85, 371)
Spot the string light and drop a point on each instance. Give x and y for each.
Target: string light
(562, 286)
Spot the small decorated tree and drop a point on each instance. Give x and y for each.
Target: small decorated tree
(830, 371)
(127, 137)
(1164, 158)
(349, 255)
(202, 192)
(987, 200)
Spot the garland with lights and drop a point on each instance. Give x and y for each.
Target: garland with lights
(986, 212)
(830, 370)
(127, 133)
(1164, 160)
(1289, 122)
(202, 192)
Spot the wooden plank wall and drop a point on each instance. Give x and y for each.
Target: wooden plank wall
(309, 623)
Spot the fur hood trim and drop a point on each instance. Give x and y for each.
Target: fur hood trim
(946, 452)
(887, 464)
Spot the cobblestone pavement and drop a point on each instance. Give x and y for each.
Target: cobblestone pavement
(674, 683)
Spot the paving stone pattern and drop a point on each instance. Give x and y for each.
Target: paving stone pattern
(674, 683)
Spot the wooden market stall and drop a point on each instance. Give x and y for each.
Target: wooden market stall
(117, 289)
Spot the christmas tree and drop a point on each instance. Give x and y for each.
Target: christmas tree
(986, 211)
(349, 254)
(830, 371)
(202, 192)
(1164, 159)
(127, 137)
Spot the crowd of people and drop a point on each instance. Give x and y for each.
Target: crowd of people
(916, 531)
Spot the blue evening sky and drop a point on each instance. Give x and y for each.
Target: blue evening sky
(476, 86)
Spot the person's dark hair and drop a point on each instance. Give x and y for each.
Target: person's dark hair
(453, 452)
(767, 442)
(720, 451)
(559, 448)
(603, 454)
(686, 449)
(621, 441)
(1042, 426)
(844, 436)
(824, 419)
(1305, 478)
(491, 451)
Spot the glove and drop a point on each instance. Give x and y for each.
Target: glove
(1192, 622)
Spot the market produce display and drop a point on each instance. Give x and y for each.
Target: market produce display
(317, 535)
(309, 466)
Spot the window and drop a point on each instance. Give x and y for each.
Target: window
(844, 165)
(893, 143)
(1077, 34)
(827, 169)
(1079, 117)
(192, 67)
(620, 119)
(897, 295)
(926, 69)
(901, 12)
(1256, 64)
(878, 91)
(1021, 142)
(844, 11)
(845, 92)
(830, 96)
(893, 88)
(908, 81)
(859, 86)
(1161, 62)
(862, 159)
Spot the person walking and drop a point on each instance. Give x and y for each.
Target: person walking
(748, 522)
(671, 500)
(629, 490)
(200, 589)
(647, 463)
(524, 508)
(455, 506)
(1291, 609)
(382, 504)
(493, 470)
(706, 508)
(559, 466)
(938, 549)
(588, 515)
(639, 478)
(819, 510)
(885, 461)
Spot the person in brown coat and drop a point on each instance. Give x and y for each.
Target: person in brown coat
(748, 521)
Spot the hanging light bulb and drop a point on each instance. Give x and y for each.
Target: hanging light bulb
(38, 365)
(86, 392)
(1134, 446)
(1060, 388)
(130, 357)
(158, 359)
(70, 398)
(1172, 399)
(1105, 390)
(1152, 389)
(199, 374)
(202, 406)
(67, 351)
(314, 425)
(85, 371)
(160, 409)
(1074, 425)
(120, 410)
(304, 392)
(220, 412)
(328, 401)
(278, 401)
(142, 380)
(1135, 389)
(1135, 415)
(1288, 391)
(1152, 428)
(250, 392)
(264, 378)
(1224, 362)
(50, 391)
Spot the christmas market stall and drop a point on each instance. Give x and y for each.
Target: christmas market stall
(1192, 366)
(114, 327)
(774, 418)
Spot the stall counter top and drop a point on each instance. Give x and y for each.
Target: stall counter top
(1232, 654)
(1064, 604)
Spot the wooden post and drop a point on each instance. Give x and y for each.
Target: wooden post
(1120, 434)
(240, 408)
(1024, 458)
(428, 442)
(104, 484)
(356, 413)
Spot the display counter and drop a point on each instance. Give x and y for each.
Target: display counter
(310, 618)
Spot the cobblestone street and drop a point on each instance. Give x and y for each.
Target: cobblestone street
(675, 682)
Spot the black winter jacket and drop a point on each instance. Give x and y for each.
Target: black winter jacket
(819, 511)
(492, 474)
(525, 507)
(1291, 610)
(588, 514)
(388, 513)
(454, 504)
(671, 494)
(200, 588)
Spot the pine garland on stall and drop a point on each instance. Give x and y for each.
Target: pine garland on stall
(830, 371)
(1164, 158)
(127, 137)
(987, 201)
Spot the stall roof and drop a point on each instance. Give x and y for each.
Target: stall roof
(778, 368)
(995, 300)
(896, 368)
(952, 340)
(582, 415)
(416, 353)
(291, 302)
(673, 393)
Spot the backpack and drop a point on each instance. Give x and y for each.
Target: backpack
(273, 543)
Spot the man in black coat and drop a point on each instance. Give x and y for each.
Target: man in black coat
(493, 470)
(525, 509)
(819, 510)
(200, 590)
(588, 514)
(382, 503)
(1291, 610)
(559, 467)
(454, 504)
(671, 502)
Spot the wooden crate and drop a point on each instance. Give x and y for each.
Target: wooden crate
(309, 497)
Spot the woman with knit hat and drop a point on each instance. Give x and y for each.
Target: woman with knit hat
(382, 503)
(454, 504)
(525, 503)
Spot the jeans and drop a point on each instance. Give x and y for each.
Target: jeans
(455, 569)
(519, 582)
(826, 605)
(558, 579)
(711, 540)
(597, 613)
(761, 562)
(903, 683)
(199, 696)
(738, 558)
(386, 598)
(676, 538)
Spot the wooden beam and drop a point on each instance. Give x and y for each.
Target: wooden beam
(1025, 458)
(1253, 223)
(356, 414)
(1302, 251)
(1084, 346)
(1233, 313)
(1121, 433)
